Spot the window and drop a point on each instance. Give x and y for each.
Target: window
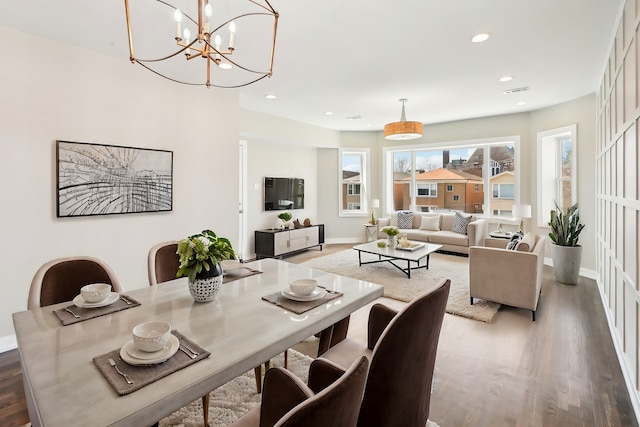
(411, 175)
(503, 191)
(427, 190)
(556, 171)
(353, 182)
(353, 189)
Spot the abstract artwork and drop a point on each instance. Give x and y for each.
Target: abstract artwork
(96, 179)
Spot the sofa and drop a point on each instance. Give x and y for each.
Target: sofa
(437, 228)
(511, 277)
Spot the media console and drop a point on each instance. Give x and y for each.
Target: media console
(275, 243)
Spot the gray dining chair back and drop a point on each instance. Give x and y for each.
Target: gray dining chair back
(163, 262)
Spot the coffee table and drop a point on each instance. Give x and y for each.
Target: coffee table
(389, 254)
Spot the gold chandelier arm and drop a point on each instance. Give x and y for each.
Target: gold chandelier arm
(270, 8)
(201, 84)
(126, 8)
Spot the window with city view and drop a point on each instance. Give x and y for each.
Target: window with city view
(453, 178)
(353, 182)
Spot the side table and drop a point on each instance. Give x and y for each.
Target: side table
(371, 232)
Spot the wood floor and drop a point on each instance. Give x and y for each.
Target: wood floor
(560, 370)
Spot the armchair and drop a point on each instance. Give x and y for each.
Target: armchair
(510, 277)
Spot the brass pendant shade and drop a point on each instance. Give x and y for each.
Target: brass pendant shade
(403, 129)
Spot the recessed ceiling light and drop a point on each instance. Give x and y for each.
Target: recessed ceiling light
(270, 96)
(479, 38)
(328, 113)
(521, 103)
(505, 79)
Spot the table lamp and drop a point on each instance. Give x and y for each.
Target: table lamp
(521, 212)
(375, 203)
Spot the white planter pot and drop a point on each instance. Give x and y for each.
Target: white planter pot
(206, 287)
(566, 263)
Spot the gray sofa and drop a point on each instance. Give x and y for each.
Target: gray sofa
(442, 234)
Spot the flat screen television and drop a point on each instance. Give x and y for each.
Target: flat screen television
(281, 194)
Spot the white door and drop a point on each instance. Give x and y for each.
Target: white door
(242, 200)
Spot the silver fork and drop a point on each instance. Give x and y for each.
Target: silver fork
(185, 351)
(125, 376)
(125, 299)
(189, 349)
(68, 310)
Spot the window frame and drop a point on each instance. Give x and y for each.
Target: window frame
(549, 145)
(486, 143)
(363, 211)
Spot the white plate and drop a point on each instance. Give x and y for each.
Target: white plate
(133, 356)
(316, 294)
(80, 302)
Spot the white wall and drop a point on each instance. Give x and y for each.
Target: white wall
(52, 91)
(617, 189)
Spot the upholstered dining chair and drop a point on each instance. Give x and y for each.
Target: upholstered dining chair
(288, 402)
(402, 347)
(60, 280)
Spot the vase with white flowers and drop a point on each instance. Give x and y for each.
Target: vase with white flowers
(200, 257)
(392, 232)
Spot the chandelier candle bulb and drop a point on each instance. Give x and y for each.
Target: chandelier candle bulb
(218, 42)
(232, 35)
(177, 15)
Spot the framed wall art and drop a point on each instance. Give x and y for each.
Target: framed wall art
(97, 179)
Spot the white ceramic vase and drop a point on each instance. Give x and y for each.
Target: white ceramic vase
(392, 241)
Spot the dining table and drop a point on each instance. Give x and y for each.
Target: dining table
(239, 328)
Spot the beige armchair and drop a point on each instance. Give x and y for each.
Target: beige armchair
(510, 277)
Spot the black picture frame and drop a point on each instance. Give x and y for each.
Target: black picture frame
(99, 179)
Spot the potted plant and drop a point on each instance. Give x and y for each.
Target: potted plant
(391, 231)
(567, 253)
(200, 257)
(285, 217)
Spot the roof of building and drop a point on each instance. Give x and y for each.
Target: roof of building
(443, 174)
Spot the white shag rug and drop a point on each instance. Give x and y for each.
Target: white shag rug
(398, 286)
(237, 397)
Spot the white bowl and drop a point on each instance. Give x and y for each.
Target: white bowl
(95, 292)
(303, 287)
(151, 336)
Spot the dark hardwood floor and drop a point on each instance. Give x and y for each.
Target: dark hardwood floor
(560, 370)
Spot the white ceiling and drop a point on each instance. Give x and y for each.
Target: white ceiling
(358, 57)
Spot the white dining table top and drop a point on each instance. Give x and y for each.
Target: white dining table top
(64, 388)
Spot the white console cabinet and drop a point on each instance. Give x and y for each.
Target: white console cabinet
(278, 243)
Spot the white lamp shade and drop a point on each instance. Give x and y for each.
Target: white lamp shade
(521, 211)
(375, 203)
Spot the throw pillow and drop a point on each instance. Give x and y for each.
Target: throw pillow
(527, 243)
(405, 220)
(460, 223)
(515, 239)
(430, 223)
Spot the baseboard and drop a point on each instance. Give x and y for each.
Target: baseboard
(8, 343)
(617, 345)
(343, 240)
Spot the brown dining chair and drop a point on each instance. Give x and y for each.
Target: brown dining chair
(402, 348)
(60, 280)
(288, 402)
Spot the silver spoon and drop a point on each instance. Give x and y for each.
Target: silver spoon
(68, 310)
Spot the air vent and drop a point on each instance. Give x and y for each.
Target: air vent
(516, 90)
(354, 117)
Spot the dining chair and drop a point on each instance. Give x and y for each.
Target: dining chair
(288, 402)
(402, 347)
(60, 280)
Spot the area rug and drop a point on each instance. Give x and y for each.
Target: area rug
(398, 286)
(237, 397)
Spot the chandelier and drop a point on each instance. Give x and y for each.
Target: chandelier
(403, 129)
(224, 44)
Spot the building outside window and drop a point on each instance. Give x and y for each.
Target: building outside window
(353, 182)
